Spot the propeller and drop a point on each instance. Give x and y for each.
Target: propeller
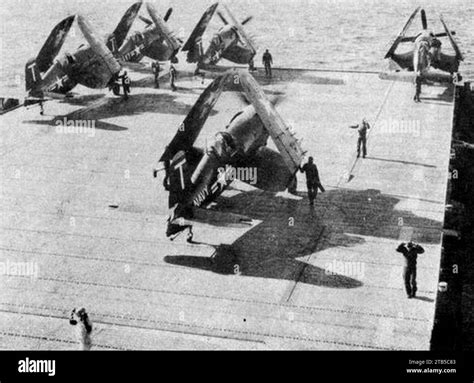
(424, 23)
(247, 20)
(222, 18)
(145, 20)
(168, 15)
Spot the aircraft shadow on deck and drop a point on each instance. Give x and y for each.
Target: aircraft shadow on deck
(274, 249)
(82, 100)
(295, 75)
(446, 97)
(100, 125)
(401, 162)
(149, 83)
(115, 107)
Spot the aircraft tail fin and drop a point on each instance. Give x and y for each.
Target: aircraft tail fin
(178, 178)
(32, 76)
(194, 44)
(116, 39)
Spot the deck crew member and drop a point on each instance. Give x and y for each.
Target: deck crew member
(251, 65)
(155, 67)
(435, 51)
(83, 325)
(418, 82)
(410, 251)
(362, 129)
(126, 85)
(267, 61)
(173, 75)
(312, 180)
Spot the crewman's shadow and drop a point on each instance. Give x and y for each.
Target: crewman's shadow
(424, 299)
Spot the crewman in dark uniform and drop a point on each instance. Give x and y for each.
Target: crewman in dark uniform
(173, 75)
(267, 61)
(362, 129)
(435, 52)
(418, 82)
(155, 67)
(312, 180)
(251, 65)
(410, 251)
(126, 85)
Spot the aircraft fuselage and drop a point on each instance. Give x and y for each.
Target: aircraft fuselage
(239, 143)
(87, 68)
(149, 43)
(226, 44)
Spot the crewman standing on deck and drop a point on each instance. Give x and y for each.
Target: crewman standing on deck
(312, 180)
(362, 129)
(155, 67)
(126, 85)
(267, 61)
(418, 82)
(410, 251)
(173, 75)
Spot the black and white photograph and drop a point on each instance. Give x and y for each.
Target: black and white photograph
(254, 175)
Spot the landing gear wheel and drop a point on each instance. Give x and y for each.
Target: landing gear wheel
(189, 237)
